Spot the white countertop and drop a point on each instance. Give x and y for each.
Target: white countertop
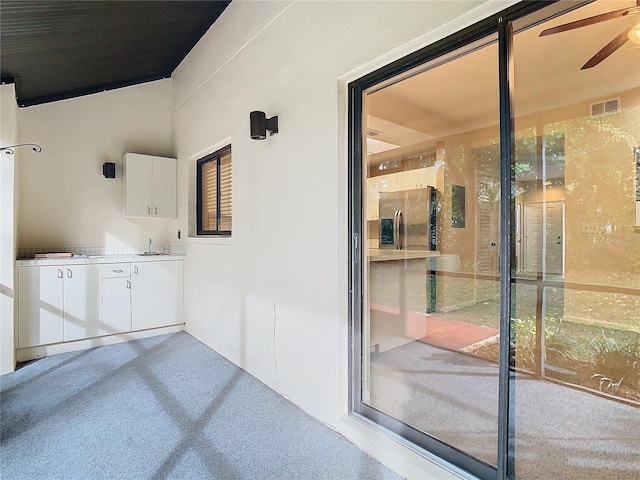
(383, 255)
(92, 259)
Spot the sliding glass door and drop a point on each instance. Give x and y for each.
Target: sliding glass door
(424, 153)
(496, 276)
(576, 316)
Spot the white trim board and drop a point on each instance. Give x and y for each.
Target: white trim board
(31, 353)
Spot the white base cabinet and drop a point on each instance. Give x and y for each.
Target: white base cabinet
(40, 305)
(116, 298)
(156, 294)
(58, 303)
(82, 318)
(73, 302)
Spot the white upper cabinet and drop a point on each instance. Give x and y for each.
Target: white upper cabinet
(375, 185)
(150, 186)
(138, 181)
(418, 178)
(164, 187)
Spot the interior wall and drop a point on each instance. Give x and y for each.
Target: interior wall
(63, 198)
(274, 297)
(8, 136)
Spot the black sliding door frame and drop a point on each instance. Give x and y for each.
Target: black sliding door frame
(505, 467)
(500, 24)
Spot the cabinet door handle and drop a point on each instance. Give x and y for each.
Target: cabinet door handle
(60, 273)
(149, 210)
(118, 271)
(128, 284)
(69, 273)
(156, 208)
(135, 269)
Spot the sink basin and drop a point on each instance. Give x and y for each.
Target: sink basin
(147, 254)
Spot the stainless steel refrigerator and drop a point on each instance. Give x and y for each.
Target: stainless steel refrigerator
(406, 220)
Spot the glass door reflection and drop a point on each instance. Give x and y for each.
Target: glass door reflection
(431, 207)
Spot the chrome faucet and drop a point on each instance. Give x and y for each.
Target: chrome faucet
(149, 248)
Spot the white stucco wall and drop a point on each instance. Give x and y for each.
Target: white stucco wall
(62, 197)
(8, 136)
(274, 298)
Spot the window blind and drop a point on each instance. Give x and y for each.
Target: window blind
(214, 207)
(224, 223)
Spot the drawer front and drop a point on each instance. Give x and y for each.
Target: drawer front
(115, 270)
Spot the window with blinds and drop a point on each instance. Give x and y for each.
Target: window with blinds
(214, 193)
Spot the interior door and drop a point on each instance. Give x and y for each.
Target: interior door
(544, 238)
(488, 223)
(533, 238)
(554, 239)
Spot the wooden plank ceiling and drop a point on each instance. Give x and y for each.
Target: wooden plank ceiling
(57, 49)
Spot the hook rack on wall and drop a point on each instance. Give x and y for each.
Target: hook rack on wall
(10, 149)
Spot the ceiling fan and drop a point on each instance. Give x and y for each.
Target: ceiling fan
(631, 33)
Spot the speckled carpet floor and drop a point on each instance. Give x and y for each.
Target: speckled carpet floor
(560, 433)
(162, 407)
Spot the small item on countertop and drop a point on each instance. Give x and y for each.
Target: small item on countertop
(53, 255)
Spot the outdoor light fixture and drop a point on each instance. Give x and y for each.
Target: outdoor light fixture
(109, 170)
(260, 124)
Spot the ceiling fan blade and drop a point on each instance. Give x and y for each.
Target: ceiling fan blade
(608, 49)
(586, 21)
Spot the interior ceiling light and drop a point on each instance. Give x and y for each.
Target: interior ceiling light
(378, 146)
(634, 34)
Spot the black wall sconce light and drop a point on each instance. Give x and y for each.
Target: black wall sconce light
(260, 124)
(109, 170)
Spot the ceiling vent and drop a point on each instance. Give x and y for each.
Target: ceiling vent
(605, 108)
(372, 133)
